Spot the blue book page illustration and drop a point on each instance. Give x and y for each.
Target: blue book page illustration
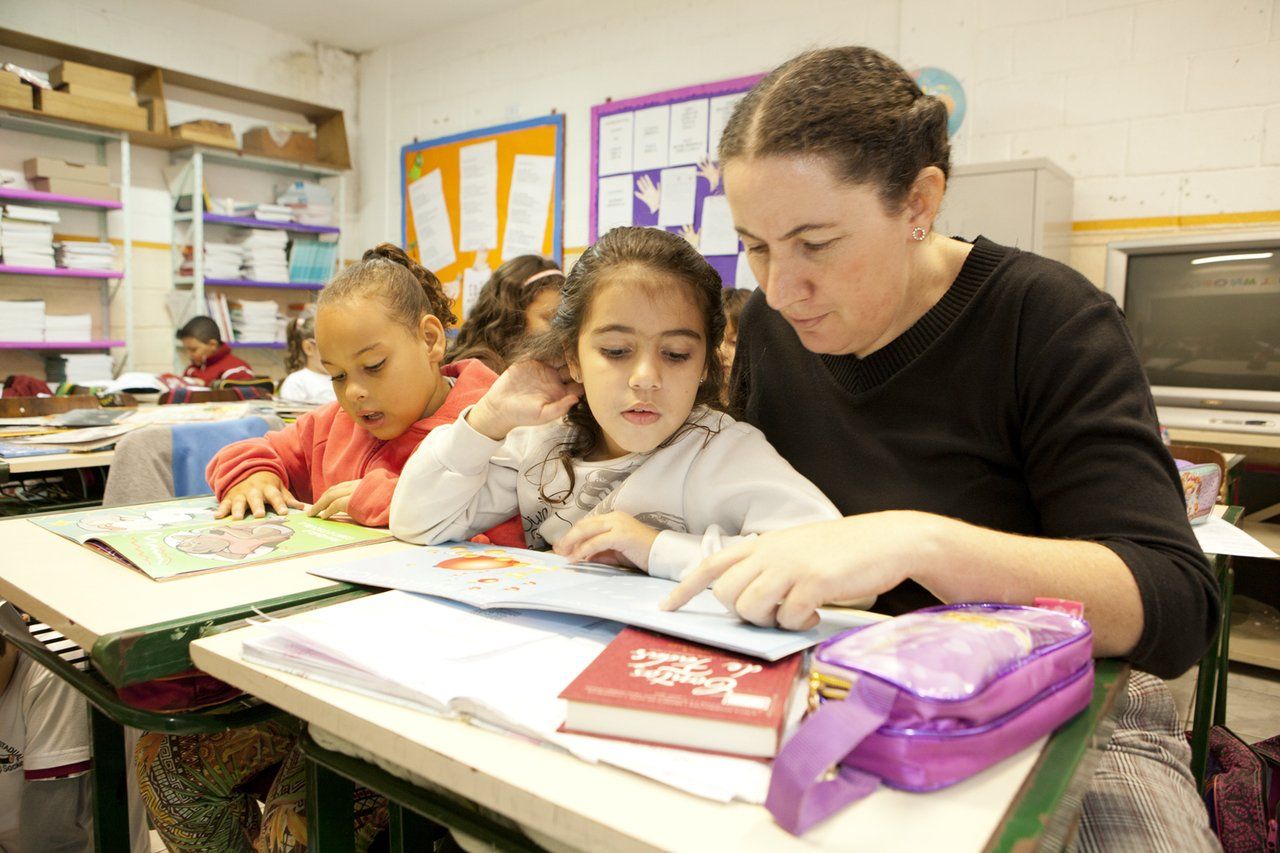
(488, 576)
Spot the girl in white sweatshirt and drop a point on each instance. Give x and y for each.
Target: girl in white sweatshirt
(604, 440)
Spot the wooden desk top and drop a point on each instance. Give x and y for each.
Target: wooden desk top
(595, 807)
(87, 596)
(59, 461)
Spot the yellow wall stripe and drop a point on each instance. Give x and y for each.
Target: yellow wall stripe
(1190, 221)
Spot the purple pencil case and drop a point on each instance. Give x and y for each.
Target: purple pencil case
(1200, 485)
(927, 700)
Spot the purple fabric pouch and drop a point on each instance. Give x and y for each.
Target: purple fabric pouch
(929, 699)
(1200, 484)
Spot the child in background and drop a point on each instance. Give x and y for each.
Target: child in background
(307, 382)
(211, 359)
(516, 303)
(617, 455)
(381, 326)
(45, 800)
(731, 301)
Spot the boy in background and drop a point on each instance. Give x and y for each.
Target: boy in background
(211, 359)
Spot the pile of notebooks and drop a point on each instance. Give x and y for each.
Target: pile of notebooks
(26, 236)
(312, 260)
(257, 321)
(79, 368)
(265, 211)
(22, 320)
(221, 260)
(263, 256)
(80, 255)
(68, 327)
(310, 203)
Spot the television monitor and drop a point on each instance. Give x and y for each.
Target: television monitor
(1204, 311)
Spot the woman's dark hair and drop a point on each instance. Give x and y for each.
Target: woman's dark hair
(852, 105)
(301, 329)
(202, 328)
(497, 321)
(408, 289)
(648, 249)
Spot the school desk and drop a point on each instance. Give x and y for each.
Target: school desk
(136, 629)
(462, 774)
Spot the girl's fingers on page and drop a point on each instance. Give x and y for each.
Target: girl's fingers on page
(237, 507)
(336, 506)
(588, 548)
(583, 529)
(255, 503)
(224, 507)
(275, 497)
(291, 501)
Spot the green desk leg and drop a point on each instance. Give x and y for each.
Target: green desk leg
(1224, 662)
(110, 803)
(330, 811)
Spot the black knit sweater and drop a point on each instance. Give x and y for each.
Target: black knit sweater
(1016, 403)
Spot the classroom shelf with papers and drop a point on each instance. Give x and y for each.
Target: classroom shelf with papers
(55, 199)
(62, 345)
(58, 272)
(245, 282)
(266, 224)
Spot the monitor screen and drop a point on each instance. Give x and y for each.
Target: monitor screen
(1207, 318)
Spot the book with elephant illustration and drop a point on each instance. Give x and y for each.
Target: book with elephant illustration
(173, 538)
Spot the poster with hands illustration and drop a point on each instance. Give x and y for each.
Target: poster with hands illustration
(653, 162)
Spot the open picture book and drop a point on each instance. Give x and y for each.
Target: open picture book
(489, 576)
(169, 539)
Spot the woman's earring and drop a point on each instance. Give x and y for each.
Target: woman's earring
(918, 233)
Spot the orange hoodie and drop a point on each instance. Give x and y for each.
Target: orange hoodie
(326, 447)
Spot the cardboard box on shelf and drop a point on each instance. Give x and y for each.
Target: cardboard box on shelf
(13, 92)
(116, 97)
(50, 167)
(91, 111)
(89, 75)
(286, 145)
(206, 132)
(82, 189)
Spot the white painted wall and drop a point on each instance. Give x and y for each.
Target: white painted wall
(1156, 107)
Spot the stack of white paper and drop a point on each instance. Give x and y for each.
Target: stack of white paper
(263, 256)
(22, 320)
(257, 321)
(26, 236)
(311, 203)
(86, 256)
(68, 327)
(221, 260)
(264, 211)
(88, 368)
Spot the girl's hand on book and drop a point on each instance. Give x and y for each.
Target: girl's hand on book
(334, 500)
(527, 394)
(255, 493)
(781, 578)
(613, 537)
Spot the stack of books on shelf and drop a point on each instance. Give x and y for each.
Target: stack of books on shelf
(221, 260)
(79, 255)
(26, 236)
(264, 256)
(257, 321)
(68, 327)
(22, 320)
(78, 368)
(311, 203)
(221, 314)
(265, 212)
(312, 260)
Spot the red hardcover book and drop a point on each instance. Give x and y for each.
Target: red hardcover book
(657, 689)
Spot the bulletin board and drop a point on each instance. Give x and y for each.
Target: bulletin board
(473, 200)
(653, 162)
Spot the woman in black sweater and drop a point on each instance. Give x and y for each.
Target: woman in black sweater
(978, 413)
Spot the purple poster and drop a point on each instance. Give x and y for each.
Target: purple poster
(653, 163)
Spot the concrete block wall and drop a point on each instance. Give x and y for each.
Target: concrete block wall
(1157, 108)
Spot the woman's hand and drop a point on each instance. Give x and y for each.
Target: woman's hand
(613, 537)
(257, 491)
(782, 578)
(527, 394)
(334, 500)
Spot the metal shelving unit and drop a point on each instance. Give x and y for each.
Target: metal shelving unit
(116, 285)
(195, 221)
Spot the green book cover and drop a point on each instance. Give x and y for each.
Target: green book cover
(173, 538)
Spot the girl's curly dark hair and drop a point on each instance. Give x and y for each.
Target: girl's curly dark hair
(497, 322)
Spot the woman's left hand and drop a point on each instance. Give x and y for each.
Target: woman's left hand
(617, 535)
(334, 500)
(782, 578)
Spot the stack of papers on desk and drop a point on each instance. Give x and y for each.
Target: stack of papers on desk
(22, 320)
(501, 669)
